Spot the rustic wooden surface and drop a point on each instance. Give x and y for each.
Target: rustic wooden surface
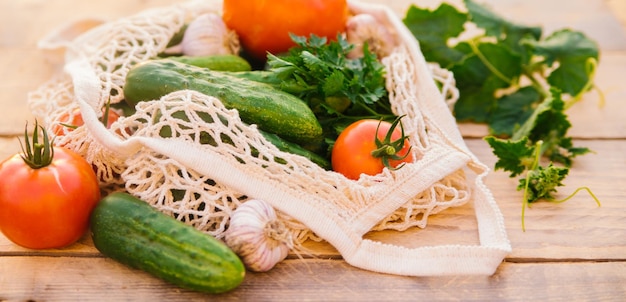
(571, 251)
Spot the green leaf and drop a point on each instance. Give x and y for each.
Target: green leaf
(512, 110)
(433, 29)
(547, 118)
(503, 30)
(550, 124)
(476, 104)
(334, 83)
(542, 182)
(572, 50)
(487, 68)
(314, 64)
(513, 156)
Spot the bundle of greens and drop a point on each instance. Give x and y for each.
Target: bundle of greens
(516, 81)
(339, 89)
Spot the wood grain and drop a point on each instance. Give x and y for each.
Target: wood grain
(101, 279)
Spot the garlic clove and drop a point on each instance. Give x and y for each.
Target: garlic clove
(365, 28)
(257, 236)
(207, 35)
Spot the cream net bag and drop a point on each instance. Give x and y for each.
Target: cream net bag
(202, 183)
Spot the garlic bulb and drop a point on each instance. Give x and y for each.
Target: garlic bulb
(207, 35)
(257, 236)
(364, 28)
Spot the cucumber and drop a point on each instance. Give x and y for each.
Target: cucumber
(292, 148)
(134, 233)
(261, 76)
(232, 63)
(267, 77)
(280, 143)
(271, 109)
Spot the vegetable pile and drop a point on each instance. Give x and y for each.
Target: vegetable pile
(300, 84)
(302, 99)
(314, 91)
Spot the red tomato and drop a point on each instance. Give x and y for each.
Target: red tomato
(264, 26)
(75, 119)
(352, 152)
(47, 207)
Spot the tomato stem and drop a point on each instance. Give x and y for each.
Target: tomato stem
(385, 150)
(388, 149)
(34, 153)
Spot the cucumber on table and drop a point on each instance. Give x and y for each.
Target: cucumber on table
(134, 233)
(271, 109)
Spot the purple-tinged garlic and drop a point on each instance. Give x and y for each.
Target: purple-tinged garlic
(257, 236)
(207, 35)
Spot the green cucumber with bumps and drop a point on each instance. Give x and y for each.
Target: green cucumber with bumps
(134, 233)
(231, 63)
(271, 109)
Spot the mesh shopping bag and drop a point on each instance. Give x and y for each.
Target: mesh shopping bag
(201, 181)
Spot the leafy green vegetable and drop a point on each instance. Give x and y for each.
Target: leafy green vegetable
(506, 32)
(317, 69)
(513, 156)
(549, 124)
(434, 29)
(504, 57)
(340, 90)
(572, 51)
(516, 81)
(513, 110)
(539, 183)
(542, 182)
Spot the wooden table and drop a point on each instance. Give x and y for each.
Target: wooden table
(570, 251)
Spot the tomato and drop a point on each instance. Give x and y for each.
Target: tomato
(352, 152)
(264, 25)
(75, 119)
(48, 206)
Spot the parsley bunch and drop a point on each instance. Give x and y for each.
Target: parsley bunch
(339, 89)
(516, 81)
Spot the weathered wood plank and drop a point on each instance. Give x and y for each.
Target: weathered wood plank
(101, 279)
(577, 228)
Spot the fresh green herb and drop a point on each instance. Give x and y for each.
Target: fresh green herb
(516, 81)
(340, 90)
(519, 157)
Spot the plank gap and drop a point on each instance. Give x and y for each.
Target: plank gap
(562, 260)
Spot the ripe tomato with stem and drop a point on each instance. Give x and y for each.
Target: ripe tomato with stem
(368, 146)
(46, 194)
